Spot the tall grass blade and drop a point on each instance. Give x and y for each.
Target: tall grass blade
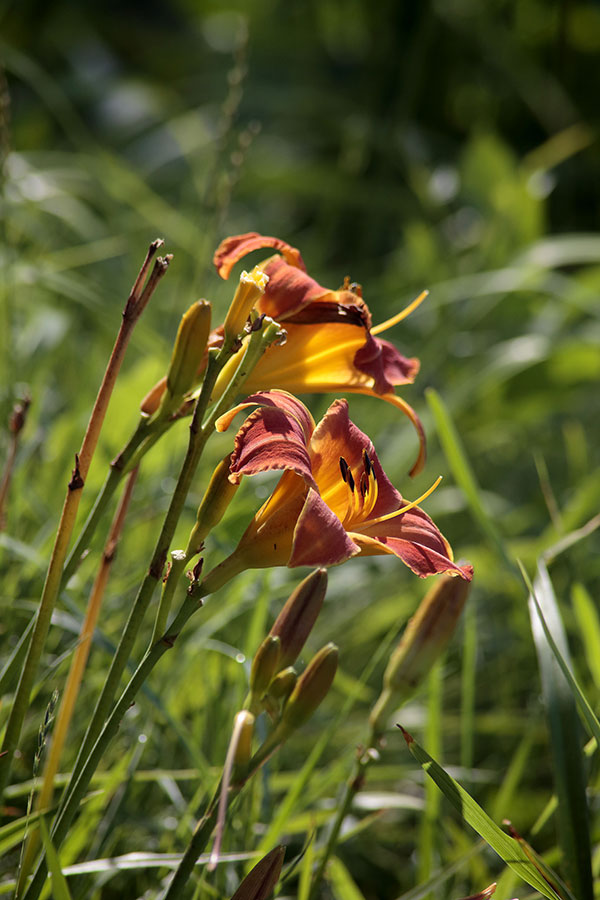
(561, 694)
(507, 848)
(60, 890)
(461, 469)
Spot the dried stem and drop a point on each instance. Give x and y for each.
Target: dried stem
(75, 677)
(134, 307)
(16, 424)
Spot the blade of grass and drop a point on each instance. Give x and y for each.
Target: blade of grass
(430, 819)
(585, 710)
(341, 882)
(589, 628)
(560, 700)
(467, 687)
(60, 891)
(462, 472)
(508, 849)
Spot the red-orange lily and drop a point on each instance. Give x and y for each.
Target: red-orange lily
(333, 500)
(331, 345)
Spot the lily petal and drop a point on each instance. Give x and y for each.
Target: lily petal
(421, 559)
(385, 364)
(232, 249)
(337, 436)
(320, 539)
(273, 437)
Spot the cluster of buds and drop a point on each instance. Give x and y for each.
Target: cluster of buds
(275, 687)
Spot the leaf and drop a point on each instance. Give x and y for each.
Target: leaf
(341, 882)
(507, 848)
(561, 694)
(60, 890)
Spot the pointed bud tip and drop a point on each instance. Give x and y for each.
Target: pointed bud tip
(407, 737)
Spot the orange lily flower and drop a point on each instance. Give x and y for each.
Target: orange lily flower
(331, 345)
(333, 501)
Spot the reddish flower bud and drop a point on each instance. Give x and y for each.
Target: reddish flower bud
(295, 621)
(424, 640)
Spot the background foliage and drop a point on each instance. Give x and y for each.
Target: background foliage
(448, 145)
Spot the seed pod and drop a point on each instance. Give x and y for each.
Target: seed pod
(295, 621)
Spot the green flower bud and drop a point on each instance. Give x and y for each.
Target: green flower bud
(295, 621)
(310, 690)
(217, 498)
(264, 665)
(283, 684)
(190, 344)
(424, 640)
(244, 721)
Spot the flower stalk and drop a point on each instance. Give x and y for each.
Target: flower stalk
(134, 307)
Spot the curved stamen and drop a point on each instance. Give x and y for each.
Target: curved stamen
(389, 323)
(406, 508)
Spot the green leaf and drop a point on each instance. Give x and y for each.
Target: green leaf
(342, 884)
(507, 848)
(561, 694)
(589, 628)
(60, 889)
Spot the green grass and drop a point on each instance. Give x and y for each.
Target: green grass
(401, 189)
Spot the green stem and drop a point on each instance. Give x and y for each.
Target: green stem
(97, 737)
(118, 468)
(206, 824)
(134, 307)
(200, 839)
(198, 438)
(354, 784)
(69, 808)
(160, 623)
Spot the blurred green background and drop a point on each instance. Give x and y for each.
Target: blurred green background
(442, 145)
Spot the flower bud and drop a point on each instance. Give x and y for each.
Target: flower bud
(190, 344)
(251, 287)
(424, 640)
(295, 621)
(283, 684)
(261, 880)
(264, 665)
(213, 506)
(244, 726)
(311, 688)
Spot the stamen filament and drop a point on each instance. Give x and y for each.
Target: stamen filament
(389, 323)
(404, 509)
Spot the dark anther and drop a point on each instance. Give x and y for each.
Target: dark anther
(364, 485)
(367, 463)
(344, 468)
(350, 480)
